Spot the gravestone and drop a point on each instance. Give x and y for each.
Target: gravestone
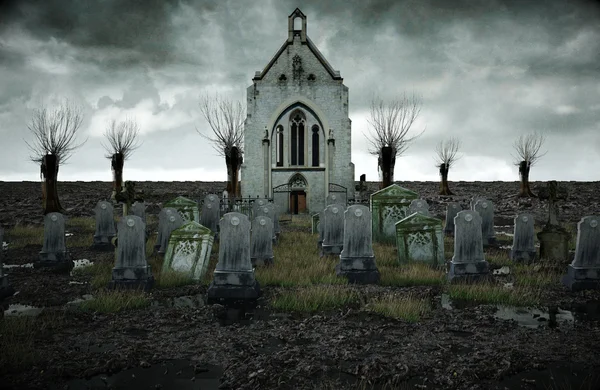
(139, 210)
(131, 268)
(267, 212)
(523, 248)
(233, 278)
(261, 241)
(211, 213)
(54, 251)
(5, 289)
(334, 198)
(332, 227)
(189, 250)
(419, 239)
(357, 260)
(187, 208)
(584, 272)
(168, 220)
(474, 200)
(105, 227)
(554, 239)
(257, 204)
(275, 216)
(485, 208)
(315, 223)
(451, 210)
(418, 206)
(388, 206)
(468, 262)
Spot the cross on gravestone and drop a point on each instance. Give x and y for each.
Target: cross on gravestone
(129, 195)
(552, 192)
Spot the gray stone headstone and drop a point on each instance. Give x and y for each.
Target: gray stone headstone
(54, 251)
(5, 289)
(418, 206)
(168, 220)
(485, 208)
(523, 248)
(211, 213)
(261, 241)
(131, 268)
(139, 210)
(451, 210)
(105, 226)
(474, 200)
(233, 278)
(187, 208)
(388, 206)
(189, 250)
(270, 210)
(335, 198)
(258, 204)
(584, 272)
(332, 226)
(419, 239)
(357, 260)
(468, 260)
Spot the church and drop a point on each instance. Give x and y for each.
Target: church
(297, 134)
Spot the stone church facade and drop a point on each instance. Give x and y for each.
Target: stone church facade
(297, 135)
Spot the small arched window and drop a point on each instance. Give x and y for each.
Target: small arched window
(279, 145)
(315, 146)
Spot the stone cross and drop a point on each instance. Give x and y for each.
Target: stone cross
(552, 192)
(128, 196)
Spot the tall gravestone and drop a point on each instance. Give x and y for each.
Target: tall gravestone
(419, 239)
(468, 261)
(357, 260)
(485, 208)
(418, 206)
(332, 227)
(261, 241)
(211, 213)
(267, 212)
(5, 288)
(105, 227)
(168, 220)
(233, 278)
(388, 206)
(189, 250)
(131, 268)
(523, 248)
(584, 272)
(451, 210)
(54, 251)
(187, 208)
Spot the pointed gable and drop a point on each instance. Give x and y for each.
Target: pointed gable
(418, 219)
(395, 191)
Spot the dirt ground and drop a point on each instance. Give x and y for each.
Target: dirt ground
(181, 343)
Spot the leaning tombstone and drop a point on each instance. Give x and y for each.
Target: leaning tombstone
(523, 248)
(131, 268)
(468, 262)
(189, 250)
(485, 208)
(357, 260)
(54, 251)
(451, 211)
(388, 206)
(5, 288)
(261, 241)
(419, 239)
(168, 220)
(584, 272)
(187, 208)
(211, 213)
(315, 223)
(418, 206)
(332, 227)
(105, 227)
(233, 278)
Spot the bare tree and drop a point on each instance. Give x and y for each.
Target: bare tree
(391, 123)
(446, 157)
(528, 148)
(226, 120)
(122, 141)
(55, 133)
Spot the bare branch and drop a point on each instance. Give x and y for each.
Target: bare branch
(55, 131)
(446, 152)
(122, 138)
(528, 148)
(226, 120)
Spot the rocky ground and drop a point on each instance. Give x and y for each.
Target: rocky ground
(180, 343)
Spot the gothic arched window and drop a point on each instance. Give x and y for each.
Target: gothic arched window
(297, 124)
(315, 146)
(279, 145)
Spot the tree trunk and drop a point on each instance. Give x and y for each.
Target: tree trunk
(444, 189)
(49, 170)
(117, 162)
(525, 191)
(387, 160)
(233, 160)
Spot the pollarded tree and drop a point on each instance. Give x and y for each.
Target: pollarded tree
(122, 141)
(528, 152)
(226, 120)
(446, 157)
(55, 134)
(390, 124)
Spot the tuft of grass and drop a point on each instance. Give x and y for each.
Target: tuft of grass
(385, 254)
(315, 298)
(22, 235)
(114, 301)
(87, 224)
(172, 279)
(406, 307)
(529, 277)
(411, 275)
(80, 240)
(100, 273)
(499, 258)
(495, 294)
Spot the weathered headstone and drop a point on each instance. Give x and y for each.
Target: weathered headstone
(105, 227)
(267, 211)
(357, 260)
(315, 223)
(261, 241)
(54, 251)
(554, 239)
(139, 210)
(451, 210)
(468, 261)
(168, 220)
(258, 204)
(584, 272)
(5, 288)
(418, 206)
(474, 201)
(211, 213)
(275, 212)
(388, 206)
(234, 276)
(131, 268)
(485, 208)
(187, 208)
(189, 250)
(332, 227)
(419, 239)
(523, 248)
(333, 198)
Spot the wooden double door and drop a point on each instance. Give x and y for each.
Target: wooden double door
(297, 202)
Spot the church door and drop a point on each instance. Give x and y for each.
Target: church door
(297, 202)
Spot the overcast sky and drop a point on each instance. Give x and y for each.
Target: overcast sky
(486, 71)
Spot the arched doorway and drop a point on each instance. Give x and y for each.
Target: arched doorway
(297, 185)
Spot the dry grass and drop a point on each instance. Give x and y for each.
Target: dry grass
(488, 293)
(22, 235)
(401, 307)
(411, 275)
(113, 301)
(315, 298)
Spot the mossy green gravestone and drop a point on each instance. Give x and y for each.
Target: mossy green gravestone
(389, 206)
(419, 238)
(187, 208)
(189, 250)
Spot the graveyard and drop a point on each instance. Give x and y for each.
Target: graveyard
(451, 295)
